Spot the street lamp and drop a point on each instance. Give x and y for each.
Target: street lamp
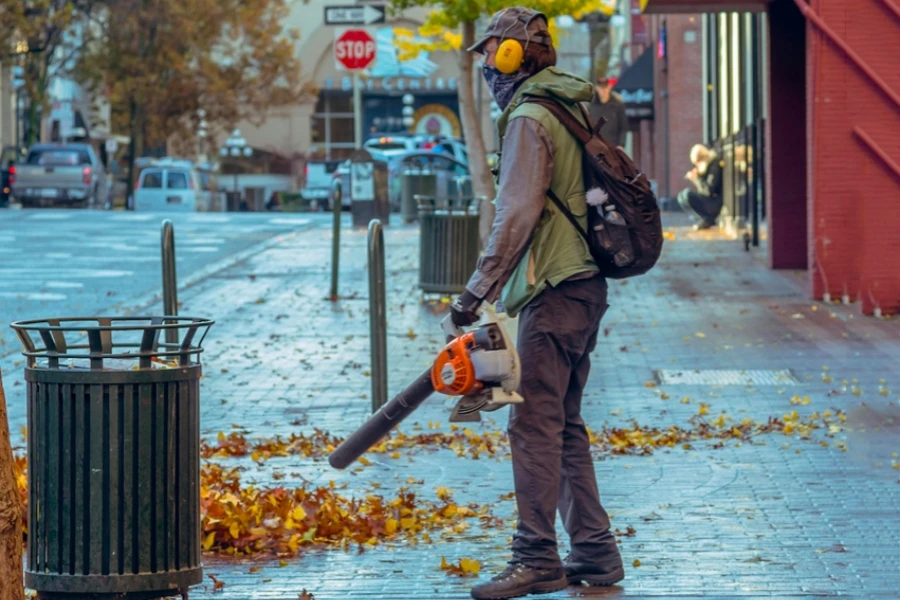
(235, 146)
(408, 110)
(201, 135)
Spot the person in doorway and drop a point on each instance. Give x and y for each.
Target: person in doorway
(610, 106)
(705, 202)
(540, 267)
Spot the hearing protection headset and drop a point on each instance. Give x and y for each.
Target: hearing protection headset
(511, 54)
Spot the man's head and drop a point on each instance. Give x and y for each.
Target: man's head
(700, 155)
(604, 89)
(515, 45)
(531, 48)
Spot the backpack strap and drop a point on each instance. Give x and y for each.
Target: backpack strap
(565, 210)
(589, 139)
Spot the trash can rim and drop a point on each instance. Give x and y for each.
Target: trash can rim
(150, 322)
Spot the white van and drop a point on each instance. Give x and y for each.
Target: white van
(167, 189)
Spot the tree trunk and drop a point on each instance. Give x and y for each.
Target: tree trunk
(135, 148)
(482, 180)
(12, 586)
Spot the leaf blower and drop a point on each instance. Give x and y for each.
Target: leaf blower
(480, 365)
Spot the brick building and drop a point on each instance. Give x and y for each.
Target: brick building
(802, 97)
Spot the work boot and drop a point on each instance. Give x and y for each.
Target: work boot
(520, 580)
(594, 573)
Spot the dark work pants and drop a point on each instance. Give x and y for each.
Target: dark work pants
(552, 464)
(702, 207)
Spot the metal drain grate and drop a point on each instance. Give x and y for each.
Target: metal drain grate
(727, 377)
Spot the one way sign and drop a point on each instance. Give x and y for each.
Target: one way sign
(367, 14)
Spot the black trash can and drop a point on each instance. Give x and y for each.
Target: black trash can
(449, 243)
(414, 183)
(113, 456)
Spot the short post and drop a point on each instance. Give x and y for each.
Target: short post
(336, 239)
(377, 315)
(169, 279)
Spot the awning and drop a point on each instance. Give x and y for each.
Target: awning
(636, 86)
(701, 6)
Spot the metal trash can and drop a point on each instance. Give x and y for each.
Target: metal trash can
(449, 243)
(113, 456)
(460, 187)
(414, 183)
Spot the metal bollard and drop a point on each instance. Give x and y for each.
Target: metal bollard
(169, 278)
(336, 240)
(377, 315)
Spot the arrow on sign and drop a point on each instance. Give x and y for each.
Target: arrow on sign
(367, 14)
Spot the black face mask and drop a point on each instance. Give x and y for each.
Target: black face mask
(503, 86)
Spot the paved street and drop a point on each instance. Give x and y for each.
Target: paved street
(74, 263)
(774, 515)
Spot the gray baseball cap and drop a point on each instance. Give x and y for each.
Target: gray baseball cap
(516, 23)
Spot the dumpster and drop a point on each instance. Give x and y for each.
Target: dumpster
(449, 243)
(113, 456)
(415, 182)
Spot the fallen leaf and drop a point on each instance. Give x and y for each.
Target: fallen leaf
(304, 595)
(217, 585)
(636, 563)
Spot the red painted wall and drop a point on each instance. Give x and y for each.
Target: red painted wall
(683, 82)
(854, 197)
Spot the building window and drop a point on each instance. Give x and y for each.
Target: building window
(332, 125)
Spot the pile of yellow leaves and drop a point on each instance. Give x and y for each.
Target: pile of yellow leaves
(463, 442)
(466, 567)
(640, 440)
(636, 440)
(319, 443)
(240, 519)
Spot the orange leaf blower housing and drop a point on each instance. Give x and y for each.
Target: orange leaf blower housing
(453, 372)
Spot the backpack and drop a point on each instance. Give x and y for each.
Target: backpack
(625, 234)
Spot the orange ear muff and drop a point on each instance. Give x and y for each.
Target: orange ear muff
(509, 56)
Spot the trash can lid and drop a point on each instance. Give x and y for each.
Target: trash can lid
(93, 340)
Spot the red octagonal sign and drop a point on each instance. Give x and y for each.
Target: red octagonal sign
(355, 49)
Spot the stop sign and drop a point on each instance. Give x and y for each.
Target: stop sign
(354, 49)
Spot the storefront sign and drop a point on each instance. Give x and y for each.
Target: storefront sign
(391, 84)
(636, 96)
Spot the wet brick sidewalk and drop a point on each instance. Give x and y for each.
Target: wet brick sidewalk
(778, 517)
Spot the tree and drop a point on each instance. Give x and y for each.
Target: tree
(34, 33)
(451, 26)
(12, 587)
(159, 61)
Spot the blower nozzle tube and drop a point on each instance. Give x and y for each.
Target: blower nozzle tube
(382, 422)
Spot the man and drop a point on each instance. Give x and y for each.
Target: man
(704, 204)
(543, 268)
(609, 105)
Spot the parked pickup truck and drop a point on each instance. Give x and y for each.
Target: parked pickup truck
(61, 175)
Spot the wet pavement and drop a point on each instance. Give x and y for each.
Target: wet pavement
(77, 262)
(710, 331)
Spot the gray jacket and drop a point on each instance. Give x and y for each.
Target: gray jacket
(613, 111)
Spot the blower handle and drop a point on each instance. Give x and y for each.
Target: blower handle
(382, 422)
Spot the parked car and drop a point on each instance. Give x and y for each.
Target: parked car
(445, 145)
(318, 177)
(61, 174)
(168, 186)
(389, 146)
(449, 171)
